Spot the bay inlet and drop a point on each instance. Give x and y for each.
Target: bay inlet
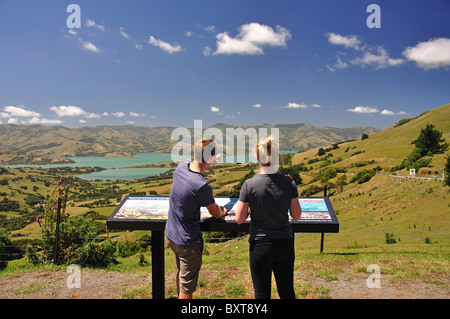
(115, 167)
(125, 168)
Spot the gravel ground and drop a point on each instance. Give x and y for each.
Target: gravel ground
(100, 284)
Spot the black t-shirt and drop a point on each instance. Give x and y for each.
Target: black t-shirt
(269, 197)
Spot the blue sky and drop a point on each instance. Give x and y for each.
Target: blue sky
(153, 63)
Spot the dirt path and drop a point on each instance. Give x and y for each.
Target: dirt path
(100, 284)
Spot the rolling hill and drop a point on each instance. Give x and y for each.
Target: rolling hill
(388, 147)
(31, 143)
(414, 210)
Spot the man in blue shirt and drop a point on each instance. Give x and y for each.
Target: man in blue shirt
(189, 192)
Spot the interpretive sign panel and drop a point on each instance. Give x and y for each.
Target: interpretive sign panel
(150, 212)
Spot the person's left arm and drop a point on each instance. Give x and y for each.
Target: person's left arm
(241, 212)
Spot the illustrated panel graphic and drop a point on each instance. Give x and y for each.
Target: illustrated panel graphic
(157, 208)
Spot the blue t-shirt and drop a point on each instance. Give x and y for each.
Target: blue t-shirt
(189, 192)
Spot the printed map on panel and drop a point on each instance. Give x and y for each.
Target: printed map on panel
(157, 208)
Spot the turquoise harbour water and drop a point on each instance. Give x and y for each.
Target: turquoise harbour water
(119, 168)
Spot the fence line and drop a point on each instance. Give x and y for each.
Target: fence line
(418, 177)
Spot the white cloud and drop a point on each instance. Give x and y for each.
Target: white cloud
(339, 65)
(85, 45)
(118, 114)
(371, 56)
(363, 109)
(215, 109)
(389, 112)
(432, 54)
(257, 105)
(14, 111)
(351, 41)
(36, 120)
(227, 45)
(124, 34)
(206, 51)
(130, 122)
(127, 36)
(92, 116)
(89, 46)
(292, 105)
(91, 23)
(13, 120)
(105, 114)
(251, 39)
(380, 59)
(134, 114)
(71, 111)
(169, 48)
(210, 28)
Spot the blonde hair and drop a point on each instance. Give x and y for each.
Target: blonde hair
(267, 153)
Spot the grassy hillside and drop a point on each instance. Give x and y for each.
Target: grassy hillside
(388, 147)
(46, 144)
(413, 212)
(23, 143)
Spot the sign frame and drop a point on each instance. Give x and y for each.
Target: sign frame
(218, 224)
(157, 227)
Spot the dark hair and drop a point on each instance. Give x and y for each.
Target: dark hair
(203, 147)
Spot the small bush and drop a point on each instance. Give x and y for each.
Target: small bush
(389, 238)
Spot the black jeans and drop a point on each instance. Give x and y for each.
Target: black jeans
(275, 255)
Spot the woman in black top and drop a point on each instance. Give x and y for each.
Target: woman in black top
(269, 196)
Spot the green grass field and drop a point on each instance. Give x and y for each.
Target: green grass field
(401, 225)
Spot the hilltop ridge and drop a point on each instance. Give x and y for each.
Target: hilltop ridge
(28, 143)
(390, 146)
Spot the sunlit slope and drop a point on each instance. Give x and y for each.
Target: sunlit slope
(390, 146)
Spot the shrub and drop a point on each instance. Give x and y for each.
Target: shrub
(363, 176)
(78, 238)
(5, 244)
(314, 189)
(389, 238)
(321, 152)
(447, 172)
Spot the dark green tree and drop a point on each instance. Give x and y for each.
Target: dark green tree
(293, 172)
(430, 140)
(321, 152)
